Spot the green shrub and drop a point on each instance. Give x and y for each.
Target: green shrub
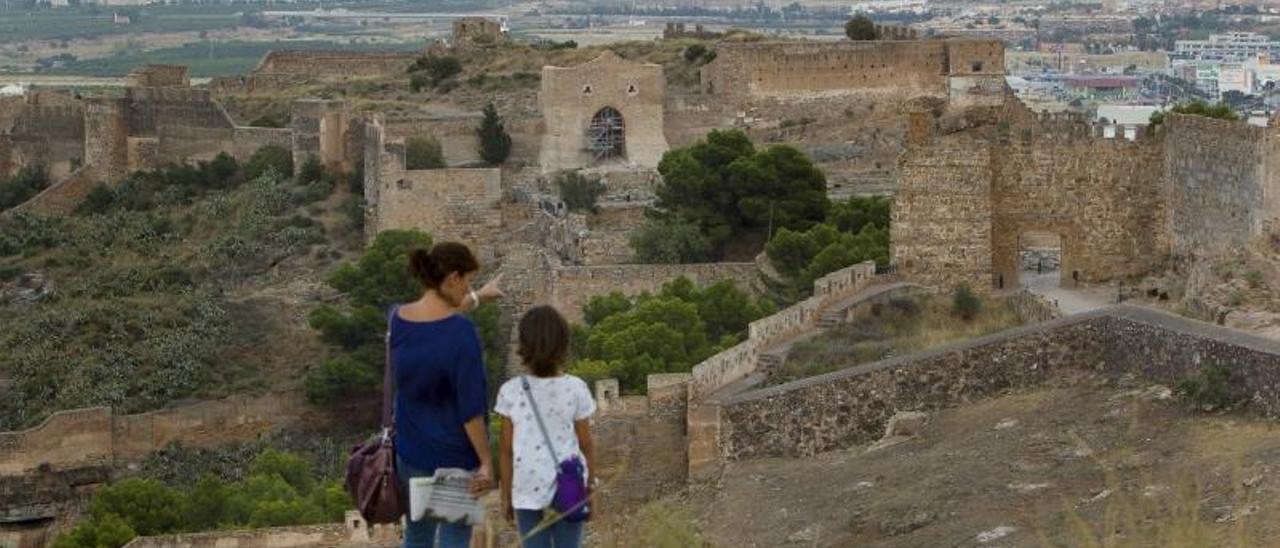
(431, 70)
(339, 379)
(312, 171)
(671, 241)
(964, 303)
(98, 201)
(860, 27)
(694, 52)
(109, 531)
(269, 158)
(495, 143)
(24, 185)
(1213, 388)
(150, 507)
(423, 153)
(579, 192)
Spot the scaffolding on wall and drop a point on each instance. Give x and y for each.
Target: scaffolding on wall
(607, 135)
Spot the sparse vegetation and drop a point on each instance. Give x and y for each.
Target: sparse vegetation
(432, 70)
(1197, 107)
(23, 186)
(135, 309)
(1212, 388)
(900, 327)
(578, 191)
(964, 304)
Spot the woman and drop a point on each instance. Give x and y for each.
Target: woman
(563, 404)
(440, 399)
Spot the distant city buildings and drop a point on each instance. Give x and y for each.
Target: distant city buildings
(1232, 46)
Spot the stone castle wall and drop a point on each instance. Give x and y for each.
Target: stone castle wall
(152, 76)
(940, 233)
(1216, 182)
(762, 69)
(52, 135)
(968, 197)
(852, 406)
(571, 96)
(1103, 197)
(450, 204)
(96, 437)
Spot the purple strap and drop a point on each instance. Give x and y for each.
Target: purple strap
(386, 371)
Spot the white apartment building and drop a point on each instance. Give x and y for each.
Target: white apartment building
(1232, 46)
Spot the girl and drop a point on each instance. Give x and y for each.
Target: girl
(564, 403)
(436, 358)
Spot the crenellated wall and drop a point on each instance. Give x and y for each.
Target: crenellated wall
(799, 69)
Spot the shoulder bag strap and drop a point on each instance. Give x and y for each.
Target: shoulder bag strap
(386, 374)
(528, 394)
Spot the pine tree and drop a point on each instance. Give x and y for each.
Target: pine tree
(495, 143)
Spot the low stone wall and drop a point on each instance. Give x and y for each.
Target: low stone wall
(63, 196)
(851, 407)
(95, 437)
(739, 361)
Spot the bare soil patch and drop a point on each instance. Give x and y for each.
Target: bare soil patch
(1084, 463)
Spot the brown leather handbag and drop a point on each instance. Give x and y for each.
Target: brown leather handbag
(371, 469)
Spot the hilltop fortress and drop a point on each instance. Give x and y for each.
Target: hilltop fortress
(930, 121)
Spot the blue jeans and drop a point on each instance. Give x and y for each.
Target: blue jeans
(562, 534)
(422, 533)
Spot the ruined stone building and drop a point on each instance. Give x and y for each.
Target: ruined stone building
(1197, 187)
(607, 110)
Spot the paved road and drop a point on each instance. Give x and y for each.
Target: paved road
(1069, 300)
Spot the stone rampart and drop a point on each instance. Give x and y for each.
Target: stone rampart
(52, 135)
(804, 69)
(334, 64)
(63, 196)
(739, 361)
(96, 437)
(851, 406)
(574, 286)
(67, 439)
(450, 204)
(151, 76)
(1216, 183)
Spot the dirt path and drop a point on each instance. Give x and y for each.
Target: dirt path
(1016, 471)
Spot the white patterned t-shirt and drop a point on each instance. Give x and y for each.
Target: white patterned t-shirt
(561, 400)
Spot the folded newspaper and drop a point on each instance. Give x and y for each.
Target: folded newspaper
(445, 496)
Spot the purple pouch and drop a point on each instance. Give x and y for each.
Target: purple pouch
(571, 490)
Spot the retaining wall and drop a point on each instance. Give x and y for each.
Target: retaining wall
(851, 406)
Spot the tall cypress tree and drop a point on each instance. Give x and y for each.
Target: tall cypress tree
(495, 143)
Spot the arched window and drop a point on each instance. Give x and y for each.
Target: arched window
(607, 135)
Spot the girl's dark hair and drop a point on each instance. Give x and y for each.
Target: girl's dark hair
(544, 341)
(445, 258)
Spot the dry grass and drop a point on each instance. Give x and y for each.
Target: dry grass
(902, 327)
(1136, 516)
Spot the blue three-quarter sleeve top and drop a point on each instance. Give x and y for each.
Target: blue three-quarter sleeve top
(440, 385)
